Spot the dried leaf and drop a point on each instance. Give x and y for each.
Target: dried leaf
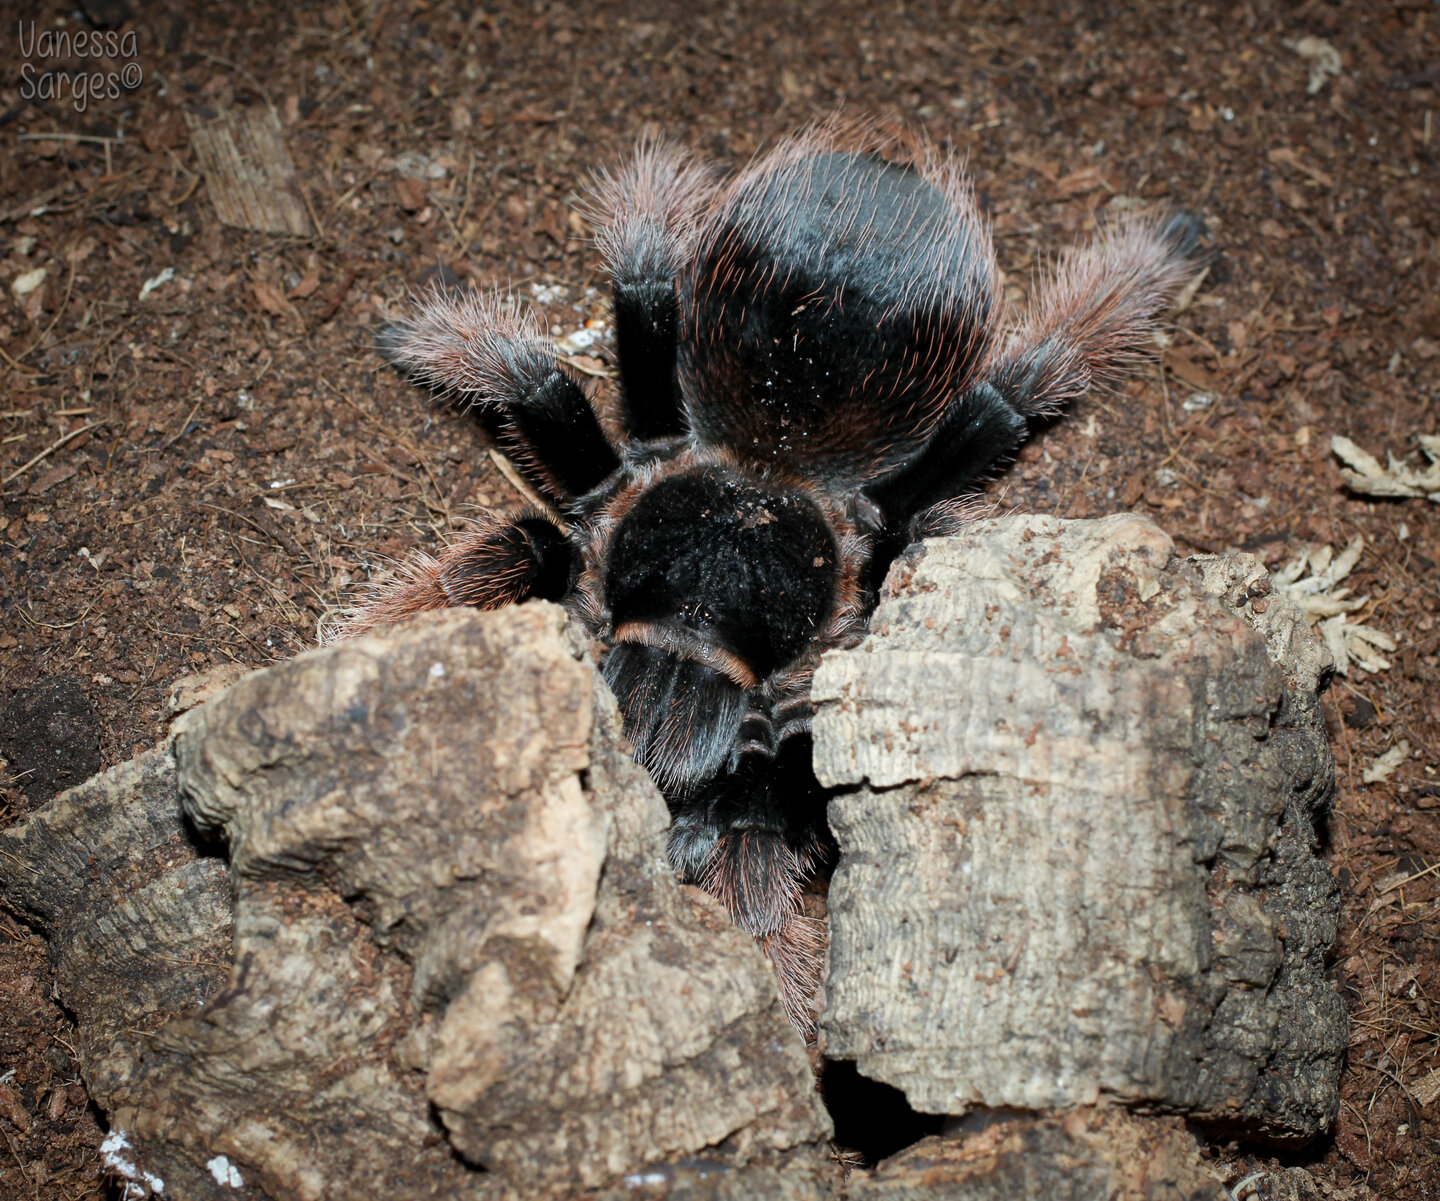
(410, 192)
(13, 1110)
(310, 282)
(273, 302)
(52, 477)
(1183, 367)
(1186, 296)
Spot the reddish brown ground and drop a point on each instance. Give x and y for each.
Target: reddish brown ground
(248, 459)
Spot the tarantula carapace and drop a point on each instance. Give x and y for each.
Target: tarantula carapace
(812, 375)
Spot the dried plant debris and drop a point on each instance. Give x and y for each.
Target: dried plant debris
(1313, 581)
(1385, 765)
(1365, 475)
(1321, 57)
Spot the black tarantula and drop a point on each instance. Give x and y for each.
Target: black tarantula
(812, 376)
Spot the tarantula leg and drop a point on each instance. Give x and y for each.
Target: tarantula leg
(491, 354)
(646, 313)
(975, 432)
(500, 562)
(797, 953)
(758, 876)
(645, 216)
(1095, 314)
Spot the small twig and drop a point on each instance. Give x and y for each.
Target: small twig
(379, 22)
(69, 137)
(48, 626)
(454, 229)
(1408, 880)
(60, 312)
(20, 366)
(24, 1169)
(507, 469)
(34, 206)
(310, 208)
(276, 535)
(153, 663)
(184, 425)
(443, 508)
(184, 196)
(19, 471)
(349, 192)
(465, 200)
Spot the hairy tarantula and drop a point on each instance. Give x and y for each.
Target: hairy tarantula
(812, 376)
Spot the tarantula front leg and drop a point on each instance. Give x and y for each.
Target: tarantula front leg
(500, 561)
(488, 352)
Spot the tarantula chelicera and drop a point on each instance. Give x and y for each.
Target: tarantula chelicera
(812, 375)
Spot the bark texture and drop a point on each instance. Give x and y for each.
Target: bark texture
(449, 898)
(1086, 1155)
(1078, 837)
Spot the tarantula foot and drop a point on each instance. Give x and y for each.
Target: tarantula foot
(1182, 231)
(758, 876)
(498, 561)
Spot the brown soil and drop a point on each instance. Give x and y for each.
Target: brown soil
(243, 459)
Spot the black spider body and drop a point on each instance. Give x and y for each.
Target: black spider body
(812, 375)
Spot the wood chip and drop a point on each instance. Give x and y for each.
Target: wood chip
(248, 172)
(1426, 1089)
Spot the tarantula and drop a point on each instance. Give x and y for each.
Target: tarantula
(812, 376)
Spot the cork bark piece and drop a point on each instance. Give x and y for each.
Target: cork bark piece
(461, 965)
(1078, 855)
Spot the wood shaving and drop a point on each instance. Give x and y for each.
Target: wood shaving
(1364, 474)
(1427, 1088)
(1313, 581)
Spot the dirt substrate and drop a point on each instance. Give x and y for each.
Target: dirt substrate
(201, 453)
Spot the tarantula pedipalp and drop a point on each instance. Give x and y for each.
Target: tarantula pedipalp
(811, 377)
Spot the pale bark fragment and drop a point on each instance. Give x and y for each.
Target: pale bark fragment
(249, 173)
(1078, 848)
